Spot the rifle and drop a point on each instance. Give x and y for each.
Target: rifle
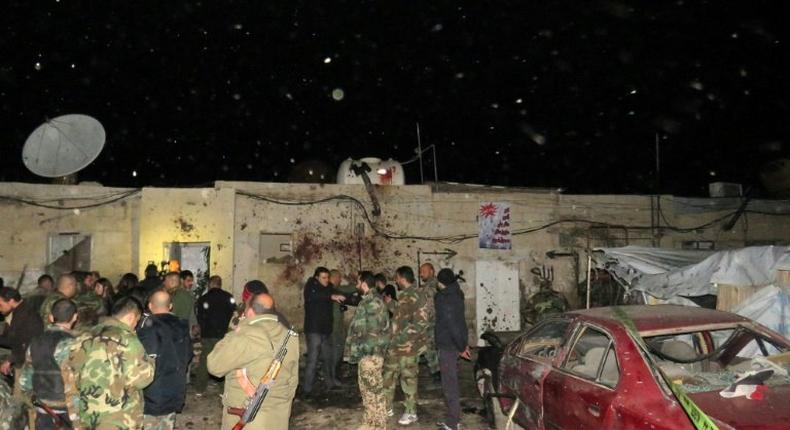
(21, 278)
(267, 381)
(57, 419)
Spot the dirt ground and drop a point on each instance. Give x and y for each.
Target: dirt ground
(342, 409)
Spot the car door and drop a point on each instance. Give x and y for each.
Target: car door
(526, 363)
(578, 392)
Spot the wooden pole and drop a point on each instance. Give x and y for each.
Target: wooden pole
(783, 278)
(589, 273)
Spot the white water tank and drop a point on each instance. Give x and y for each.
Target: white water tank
(389, 172)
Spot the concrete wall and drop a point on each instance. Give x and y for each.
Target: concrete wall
(187, 215)
(233, 216)
(25, 230)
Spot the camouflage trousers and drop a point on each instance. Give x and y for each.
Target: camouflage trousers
(13, 415)
(431, 355)
(370, 387)
(405, 368)
(22, 399)
(159, 422)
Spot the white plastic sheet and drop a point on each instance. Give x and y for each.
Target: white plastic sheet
(770, 307)
(663, 274)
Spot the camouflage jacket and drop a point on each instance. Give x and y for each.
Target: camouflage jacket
(89, 307)
(12, 411)
(428, 290)
(338, 326)
(61, 356)
(410, 323)
(369, 332)
(110, 370)
(545, 303)
(46, 306)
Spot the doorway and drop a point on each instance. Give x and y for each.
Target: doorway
(68, 252)
(192, 256)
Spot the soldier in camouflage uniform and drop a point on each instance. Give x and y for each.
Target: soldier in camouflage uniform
(111, 369)
(12, 411)
(89, 308)
(429, 288)
(366, 344)
(67, 289)
(410, 325)
(544, 303)
(45, 370)
(338, 323)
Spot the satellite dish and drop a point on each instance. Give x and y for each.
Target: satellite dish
(63, 146)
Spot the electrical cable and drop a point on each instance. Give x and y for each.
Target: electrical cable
(455, 239)
(447, 239)
(111, 200)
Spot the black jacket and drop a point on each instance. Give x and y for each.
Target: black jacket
(214, 311)
(47, 378)
(451, 333)
(165, 337)
(150, 284)
(25, 325)
(317, 307)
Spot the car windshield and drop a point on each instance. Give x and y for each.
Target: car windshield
(710, 360)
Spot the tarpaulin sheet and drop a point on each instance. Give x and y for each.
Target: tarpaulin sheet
(632, 262)
(663, 274)
(770, 307)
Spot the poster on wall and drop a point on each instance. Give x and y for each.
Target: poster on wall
(494, 225)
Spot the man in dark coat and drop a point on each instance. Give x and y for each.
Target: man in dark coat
(318, 298)
(25, 325)
(214, 311)
(152, 280)
(451, 340)
(165, 338)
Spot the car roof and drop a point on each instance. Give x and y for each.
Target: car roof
(650, 318)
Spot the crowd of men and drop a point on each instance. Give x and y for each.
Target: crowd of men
(86, 355)
(391, 329)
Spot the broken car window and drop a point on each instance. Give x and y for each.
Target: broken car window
(710, 360)
(545, 339)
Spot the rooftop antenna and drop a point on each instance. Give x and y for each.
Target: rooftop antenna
(420, 151)
(62, 146)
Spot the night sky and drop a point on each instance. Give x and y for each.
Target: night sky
(544, 94)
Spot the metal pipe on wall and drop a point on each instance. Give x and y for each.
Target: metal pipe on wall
(589, 276)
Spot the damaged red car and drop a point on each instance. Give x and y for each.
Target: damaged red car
(585, 370)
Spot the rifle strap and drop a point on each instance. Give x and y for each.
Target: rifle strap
(244, 382)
